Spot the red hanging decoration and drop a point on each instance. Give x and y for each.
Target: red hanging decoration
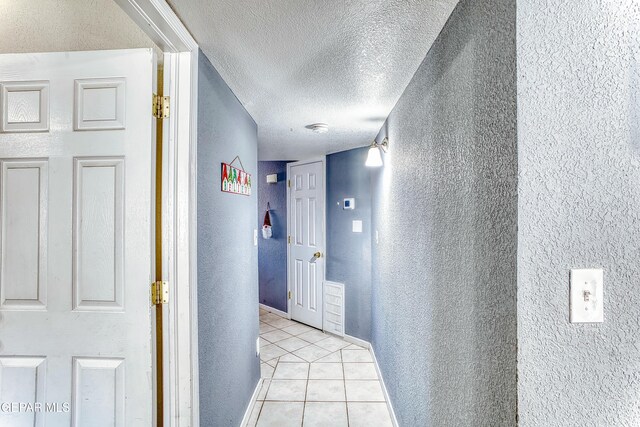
(266, 226)
(267, 219)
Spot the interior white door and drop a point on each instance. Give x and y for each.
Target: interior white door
(76, 217)
(306, 251)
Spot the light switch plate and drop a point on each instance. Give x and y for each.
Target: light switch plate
(356, 226)
(587, 296)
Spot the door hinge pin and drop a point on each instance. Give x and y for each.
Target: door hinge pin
(159, 292)
(160, 106)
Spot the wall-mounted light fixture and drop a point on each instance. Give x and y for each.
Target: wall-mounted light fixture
(374, 157)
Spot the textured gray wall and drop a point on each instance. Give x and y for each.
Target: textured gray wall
(227, 259)
(272, 253)
(445, 205)
(349, 253)
(579, 192)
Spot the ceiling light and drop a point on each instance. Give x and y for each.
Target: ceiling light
(374, 157)
(319, 127)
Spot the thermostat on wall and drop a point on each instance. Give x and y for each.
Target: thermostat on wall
(349, 203)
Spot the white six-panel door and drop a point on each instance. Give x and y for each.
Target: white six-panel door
(76, 168)
(306, 230)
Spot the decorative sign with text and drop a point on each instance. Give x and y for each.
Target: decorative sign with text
(234, 180)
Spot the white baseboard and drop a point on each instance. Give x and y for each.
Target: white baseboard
(274, 311)
(394, 421)
(357, 341)
(254, 396)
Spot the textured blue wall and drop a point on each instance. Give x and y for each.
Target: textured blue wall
(579, 193)
(227, 259)
(348, 253)
(445, 205)
(272, 253)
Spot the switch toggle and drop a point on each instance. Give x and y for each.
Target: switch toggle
(587, 296)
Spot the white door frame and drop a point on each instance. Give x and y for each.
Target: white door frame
(161, 24)
(323, 160)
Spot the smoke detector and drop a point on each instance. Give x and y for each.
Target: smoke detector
(319, 127)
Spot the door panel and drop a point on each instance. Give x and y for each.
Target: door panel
(76, 215)
(298, 224)
(23, 231)
(313, 287)
(98, 392)
(25, 104)
(22, 379)
(313, 242)
(306, 272)
(98, 234)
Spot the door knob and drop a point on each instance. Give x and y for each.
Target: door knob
(315, 257)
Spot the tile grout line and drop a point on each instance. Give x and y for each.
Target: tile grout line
(260, 411)
(306, 390)
(344, 382)
(339, 352)
(267, 390)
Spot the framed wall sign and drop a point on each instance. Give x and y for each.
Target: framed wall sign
(235, 180)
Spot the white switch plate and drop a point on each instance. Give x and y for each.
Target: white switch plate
(356, 226)
(587, 296)
(255, 237)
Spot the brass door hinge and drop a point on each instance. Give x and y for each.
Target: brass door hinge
(289, 239)
(289, 183)
(160, 106)
(289, 294)
(159, 292)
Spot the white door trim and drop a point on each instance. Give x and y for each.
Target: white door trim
(162, 25)
(323, 160)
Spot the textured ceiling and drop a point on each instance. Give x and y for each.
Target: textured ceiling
(296, 62)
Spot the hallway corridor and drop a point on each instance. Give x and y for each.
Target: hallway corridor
(310, 378)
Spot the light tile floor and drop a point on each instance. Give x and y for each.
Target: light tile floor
(313, 379)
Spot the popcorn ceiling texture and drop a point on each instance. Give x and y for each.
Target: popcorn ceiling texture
(579, 193)
(445, 205)
(293, 63)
